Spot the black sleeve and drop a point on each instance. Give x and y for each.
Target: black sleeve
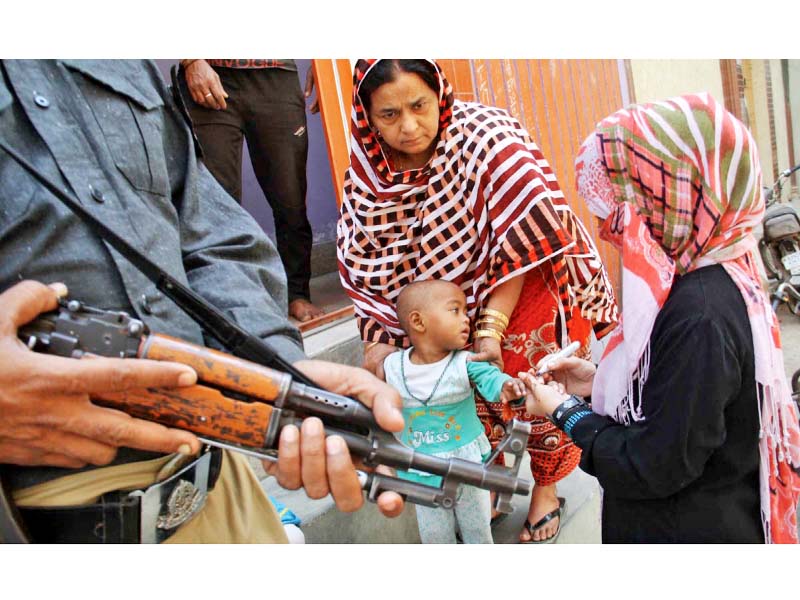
(694, 371)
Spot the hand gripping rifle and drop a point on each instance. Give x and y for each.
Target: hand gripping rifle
(242, 406)
(246, 411)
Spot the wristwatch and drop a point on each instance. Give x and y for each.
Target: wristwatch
(561, 409)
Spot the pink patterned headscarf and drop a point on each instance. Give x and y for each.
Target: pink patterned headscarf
(678, 185)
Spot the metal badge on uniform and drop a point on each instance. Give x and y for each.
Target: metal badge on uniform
(182, 504)
(174, 501)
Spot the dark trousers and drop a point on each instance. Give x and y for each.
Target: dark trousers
(265, 107)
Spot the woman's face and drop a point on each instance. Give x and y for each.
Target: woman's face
(406, 113)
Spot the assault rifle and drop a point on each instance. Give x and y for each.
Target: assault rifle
(242, 406)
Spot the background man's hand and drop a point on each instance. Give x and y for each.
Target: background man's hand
(46, 417)
(310, 82)
(204, 85)
(323, 465)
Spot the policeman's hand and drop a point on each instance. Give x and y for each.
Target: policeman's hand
(487, 350)
(46, 417)
(314, 107)
(204, 85)
(374, 355)
(323, 465)
(575, 374)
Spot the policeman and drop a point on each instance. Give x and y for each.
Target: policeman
(110, 133)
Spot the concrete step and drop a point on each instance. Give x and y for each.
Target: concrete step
(338, 342)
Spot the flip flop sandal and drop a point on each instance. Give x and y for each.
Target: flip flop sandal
(562, 502)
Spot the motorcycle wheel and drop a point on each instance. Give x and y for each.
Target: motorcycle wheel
(769, 259)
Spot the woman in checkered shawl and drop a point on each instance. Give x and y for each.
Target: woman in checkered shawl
(444, 189)
(694, 436)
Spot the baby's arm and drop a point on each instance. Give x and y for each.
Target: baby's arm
(493, 384)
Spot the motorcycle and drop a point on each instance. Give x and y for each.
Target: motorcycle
(780, 246)
(780, 252)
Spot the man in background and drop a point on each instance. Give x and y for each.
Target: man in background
(260, 101)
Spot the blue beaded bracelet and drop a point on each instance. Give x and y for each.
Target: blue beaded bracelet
(573, 420)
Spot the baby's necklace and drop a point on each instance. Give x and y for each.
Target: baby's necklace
(435, 386)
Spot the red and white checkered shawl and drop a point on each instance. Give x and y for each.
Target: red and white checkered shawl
(679, 186)
(484, 209)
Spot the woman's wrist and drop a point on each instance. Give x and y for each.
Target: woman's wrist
(567, 414)
(489, 333)
(551, 404)
(491, 323)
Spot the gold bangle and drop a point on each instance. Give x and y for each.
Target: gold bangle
(484, 327)
(494, 313)
(370, 346)
(481, 333)
(488, 320)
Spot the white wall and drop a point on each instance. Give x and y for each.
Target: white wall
(794, 101)
(661, 79)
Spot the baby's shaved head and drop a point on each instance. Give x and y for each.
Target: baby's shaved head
(419, 294)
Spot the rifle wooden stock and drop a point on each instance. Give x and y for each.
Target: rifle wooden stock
(203, 410)
(217, 368)
(199, 409)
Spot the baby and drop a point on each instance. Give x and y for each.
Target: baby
(435, 379)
